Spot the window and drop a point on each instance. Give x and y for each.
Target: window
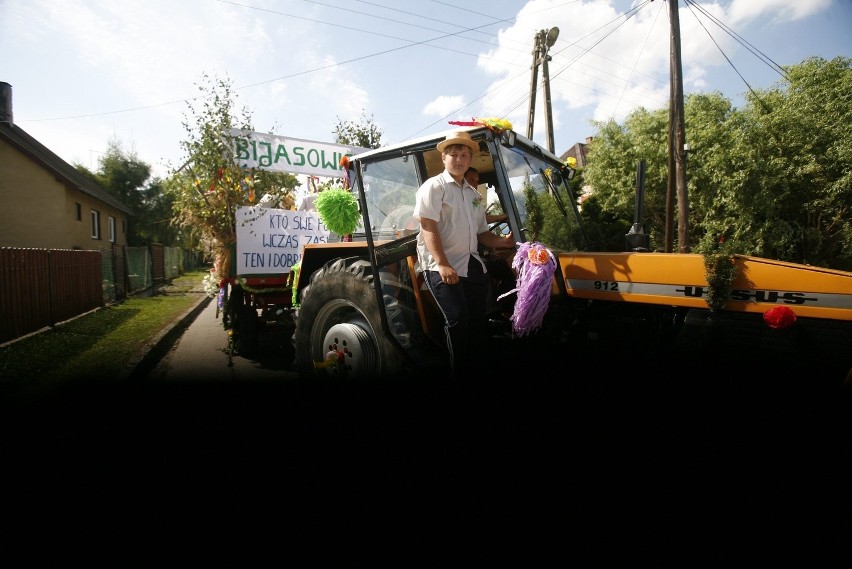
(390, 188)
(79, 212)
(96, 224)
(111, 224)
(124, 226)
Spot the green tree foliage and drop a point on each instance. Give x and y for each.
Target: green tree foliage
(363, 133)
(610, 170)
(774, 178)
(128, 179)
(535, 212)
(123, 174)
(799, 139)
(155, 219)
(209, 186)
(604, 230)
(556, 210)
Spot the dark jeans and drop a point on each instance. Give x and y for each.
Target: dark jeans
(463, 305)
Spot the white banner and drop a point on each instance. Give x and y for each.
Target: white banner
(291, 155)
(271, 241)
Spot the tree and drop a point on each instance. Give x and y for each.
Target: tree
(773, 179)
(364, 134)
(125, 177)
(798, 137)
(155, 218)
(209, 186)
(611, 170)
(122, 173)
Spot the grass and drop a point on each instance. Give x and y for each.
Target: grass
(97, 345)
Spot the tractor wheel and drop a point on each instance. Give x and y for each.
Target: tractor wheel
(338, 325)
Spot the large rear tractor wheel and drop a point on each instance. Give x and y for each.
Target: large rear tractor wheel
(338, 325)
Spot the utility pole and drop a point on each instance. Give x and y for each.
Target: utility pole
(533, 85)
(544, 40)
(677, 143)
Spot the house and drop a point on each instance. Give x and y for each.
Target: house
(578, 152)
(45, 203)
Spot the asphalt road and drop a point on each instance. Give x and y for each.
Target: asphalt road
(199, 354)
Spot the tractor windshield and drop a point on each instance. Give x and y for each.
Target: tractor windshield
(546, 205)
(389, 189)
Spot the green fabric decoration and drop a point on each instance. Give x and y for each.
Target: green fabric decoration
(338, 210)
(294, 271)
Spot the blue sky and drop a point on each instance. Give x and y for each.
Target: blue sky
(84, 72)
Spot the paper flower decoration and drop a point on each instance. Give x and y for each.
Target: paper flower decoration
(338, 210)
(494, 123)
(344, 166)
(779, 318)
(535, 266)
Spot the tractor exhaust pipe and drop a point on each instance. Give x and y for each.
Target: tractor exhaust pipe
(636, 239)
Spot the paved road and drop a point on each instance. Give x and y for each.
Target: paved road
(199, 354)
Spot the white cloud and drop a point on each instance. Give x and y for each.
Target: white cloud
(744, 11)
(444, 106)
(88, 70)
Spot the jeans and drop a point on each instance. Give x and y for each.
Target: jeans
(464, 306)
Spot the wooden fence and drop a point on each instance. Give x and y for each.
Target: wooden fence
(40, 288)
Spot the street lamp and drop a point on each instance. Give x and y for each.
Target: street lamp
(544, 40)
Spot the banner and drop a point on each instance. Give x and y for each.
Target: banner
(271, 241)
(291, 155)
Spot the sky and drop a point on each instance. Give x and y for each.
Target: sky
(85, 73)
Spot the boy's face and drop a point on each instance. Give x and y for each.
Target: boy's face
(456, 159)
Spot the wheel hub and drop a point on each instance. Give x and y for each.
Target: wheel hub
(356, 354)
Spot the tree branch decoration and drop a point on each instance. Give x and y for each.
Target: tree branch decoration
(720, 269)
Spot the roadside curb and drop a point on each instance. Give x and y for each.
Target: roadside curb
(150, 355)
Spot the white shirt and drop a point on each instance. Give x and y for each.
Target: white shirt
(460, 213)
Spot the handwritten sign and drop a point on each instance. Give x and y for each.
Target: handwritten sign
(271, 241)
(292, 155)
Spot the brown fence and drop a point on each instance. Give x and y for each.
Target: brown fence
(158, 263)
(42, 287)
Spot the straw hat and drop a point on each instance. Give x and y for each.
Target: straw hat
(460, 137)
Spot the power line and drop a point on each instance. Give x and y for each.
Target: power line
(742, 41)
(426, 42)
(691, 4)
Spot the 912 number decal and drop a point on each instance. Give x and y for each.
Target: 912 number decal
(606, 285)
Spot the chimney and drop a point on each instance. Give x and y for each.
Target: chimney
(589, 139)
(5, 102)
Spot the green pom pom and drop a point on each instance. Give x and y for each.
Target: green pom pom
(338, 210)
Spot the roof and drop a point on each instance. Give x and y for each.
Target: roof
(38, 152)
(434, 138)
(578, 152)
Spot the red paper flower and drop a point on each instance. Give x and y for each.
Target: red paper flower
(779, 317)
(538, 256)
